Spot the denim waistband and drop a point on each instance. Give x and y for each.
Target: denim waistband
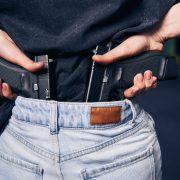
(67, 114)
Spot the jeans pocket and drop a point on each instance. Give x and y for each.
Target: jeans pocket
(13, 168)
(139, 166)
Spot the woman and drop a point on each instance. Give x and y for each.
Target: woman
(55, 139)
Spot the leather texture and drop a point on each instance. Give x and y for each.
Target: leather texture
(105, 115)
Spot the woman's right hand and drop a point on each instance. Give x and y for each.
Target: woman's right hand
(10, 52)
(152, 39)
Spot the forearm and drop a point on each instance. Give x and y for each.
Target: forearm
(170, 26)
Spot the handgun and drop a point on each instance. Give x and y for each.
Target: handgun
(107, 82)
(38, 85)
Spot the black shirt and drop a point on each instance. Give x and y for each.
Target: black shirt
(70, 29)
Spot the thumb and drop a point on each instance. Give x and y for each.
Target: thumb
(10, 52)
(130, 47)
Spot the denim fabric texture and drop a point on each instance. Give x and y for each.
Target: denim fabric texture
(52, 140)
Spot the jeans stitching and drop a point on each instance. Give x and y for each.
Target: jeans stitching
(152, 167)
(105, 144)
(21, 164)
(126, 101)
(30, 145)
(53, 120)
(120, 164)
(95, 144)
(108, 103)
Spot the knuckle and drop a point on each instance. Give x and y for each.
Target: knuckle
(29, 66)
(137, 89)
(148, 84)
(141, 86)
(1, 32)
(2, 38)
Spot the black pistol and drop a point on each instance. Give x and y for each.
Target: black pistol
(37, 85)
(107, 82)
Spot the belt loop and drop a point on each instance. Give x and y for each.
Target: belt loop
(135, 108)
(53, 119)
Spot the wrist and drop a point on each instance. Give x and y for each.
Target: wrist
(170, 26)
(155, 40)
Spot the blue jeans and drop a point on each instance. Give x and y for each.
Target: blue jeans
(52, 140)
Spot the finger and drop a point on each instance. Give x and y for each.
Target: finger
(133, 91)
(7, 93)
(154, 79)
(136, 88)
(13, 54)
(140, 84)
(148, 79)
(139, 81)
(130, 47)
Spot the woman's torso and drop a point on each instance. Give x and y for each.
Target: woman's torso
(71, 28)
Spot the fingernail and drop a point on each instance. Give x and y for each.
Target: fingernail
(148, 75)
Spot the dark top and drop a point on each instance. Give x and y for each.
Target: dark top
(69, 29)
